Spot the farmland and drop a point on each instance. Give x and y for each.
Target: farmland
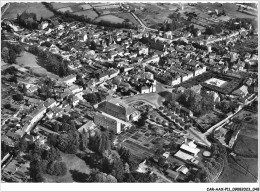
(127, 16)
(235, 171)
(110, 18)
(151, 14)
(88, 13)
(62, 5)
(38, 8)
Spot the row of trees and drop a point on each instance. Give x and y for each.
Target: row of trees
(52, 62)
(9, 52)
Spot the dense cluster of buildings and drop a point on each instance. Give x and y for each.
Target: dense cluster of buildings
(123, 62)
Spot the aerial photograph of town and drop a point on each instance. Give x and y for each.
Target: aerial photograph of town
(110, 92)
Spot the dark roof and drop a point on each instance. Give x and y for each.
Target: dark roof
(113, 110)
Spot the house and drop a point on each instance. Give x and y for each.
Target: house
(183, 169)
(172, 174)
(34, 102)
(107, 122)
(75, 100)
(242, 91)
(87, 126)
(32, 89)
(38, 113)
(49, 103)
(69, 80)
(44, 25)
(83, 37)
(76, 89)
(187, 152)
(196, 88)
(50, 115)
(148, 75)
(57, 112)
(143, 50)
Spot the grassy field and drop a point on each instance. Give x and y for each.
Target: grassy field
(230, 9)
(246, 146)
(152, 14)
(62, 5)
(89, 13)
(250, 121)
(110, 18)
(38, 8)
(85, 6)
(75, 166)
(30, 60)
(65, 9)
(234, 173)
(127, 16)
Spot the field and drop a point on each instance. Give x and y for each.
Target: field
(30, 60)
(127, 16)
(65, 9)
(85, 6)
(88, 13)
(16, 8)
(110, 18)
(75, 166)
(230, 9)
(249, 128)
(152, 13)
(243, 167)
(239, 170)
(62, 5)
(246, 146)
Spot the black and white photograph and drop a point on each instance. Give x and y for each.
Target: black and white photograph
(158, 93)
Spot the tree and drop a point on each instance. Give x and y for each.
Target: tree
(52, 154)
(12, 56)
(93, 45)
(24, 89)
(129, 178)
(18, 97)
(161, 161)
(91, 98)
(118, 170)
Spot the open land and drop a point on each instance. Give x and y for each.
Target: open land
(88, 13)
(17, 8)
(74, 165)
(30, 60)
(110, 18)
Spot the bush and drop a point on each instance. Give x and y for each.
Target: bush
(18, 97)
